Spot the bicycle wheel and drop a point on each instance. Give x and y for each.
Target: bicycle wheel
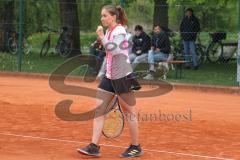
(45, 48)
(229, 49)
(12, 46)
(214, 51)
(64, 48)
(201, 57)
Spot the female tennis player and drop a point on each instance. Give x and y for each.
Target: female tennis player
(118, 80)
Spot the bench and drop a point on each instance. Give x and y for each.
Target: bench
(176, 65)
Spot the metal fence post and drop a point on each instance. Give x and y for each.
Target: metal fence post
(20, 38)
(238, 56)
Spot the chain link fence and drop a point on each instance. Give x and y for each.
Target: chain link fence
(47, 44)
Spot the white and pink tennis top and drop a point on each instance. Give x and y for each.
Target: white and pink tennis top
(117, 50)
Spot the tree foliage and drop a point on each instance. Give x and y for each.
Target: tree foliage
(213, 14)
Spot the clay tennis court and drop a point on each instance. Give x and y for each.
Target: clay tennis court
(30, 130)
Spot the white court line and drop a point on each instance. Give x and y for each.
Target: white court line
(107, 145)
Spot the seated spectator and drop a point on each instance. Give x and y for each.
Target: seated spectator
(97, 49)
(160, 49)
(141, 45)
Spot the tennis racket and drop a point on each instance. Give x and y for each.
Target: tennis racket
(114, 121)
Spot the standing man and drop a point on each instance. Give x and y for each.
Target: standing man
(189, 29)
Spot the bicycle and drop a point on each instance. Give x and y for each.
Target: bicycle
(215, 50)
(12, 43)
(215, 47)
(63, 46)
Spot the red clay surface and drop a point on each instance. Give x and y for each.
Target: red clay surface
(30, 130)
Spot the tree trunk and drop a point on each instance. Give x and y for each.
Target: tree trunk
(6, 22)
(160, 13)
(69, 18)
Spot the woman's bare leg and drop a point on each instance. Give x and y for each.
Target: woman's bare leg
(103, 100)
(128, 102)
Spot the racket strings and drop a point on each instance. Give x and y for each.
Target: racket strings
(114, 122)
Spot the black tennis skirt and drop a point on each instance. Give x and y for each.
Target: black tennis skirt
(121, 85)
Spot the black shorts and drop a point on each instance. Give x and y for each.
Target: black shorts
(121, 85)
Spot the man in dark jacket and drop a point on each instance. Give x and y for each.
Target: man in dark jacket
(160, 49)
(189, 29)
(141, 45)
